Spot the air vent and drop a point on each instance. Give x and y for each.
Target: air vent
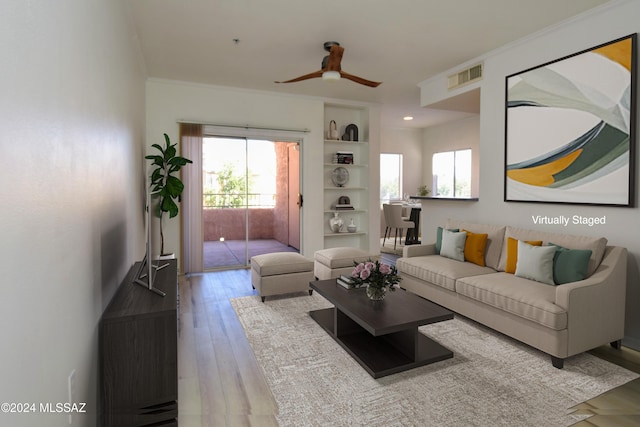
(465, 76)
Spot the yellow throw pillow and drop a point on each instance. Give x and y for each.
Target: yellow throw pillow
(512, 253)
(474, 247)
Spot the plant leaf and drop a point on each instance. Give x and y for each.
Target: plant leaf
(170, 153)
(168, 205)
(179, 161)
(174, 186)
(157, 175)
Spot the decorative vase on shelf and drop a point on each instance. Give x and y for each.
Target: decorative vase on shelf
(333, 130)
(335, 223)
(351, 228)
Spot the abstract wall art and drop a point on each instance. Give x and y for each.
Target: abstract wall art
(570, 128)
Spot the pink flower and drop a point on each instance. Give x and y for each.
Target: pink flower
(364, 274)
(369, 266)
(356, 271)
(385, 269)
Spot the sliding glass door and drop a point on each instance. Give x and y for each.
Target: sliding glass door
(246, 201)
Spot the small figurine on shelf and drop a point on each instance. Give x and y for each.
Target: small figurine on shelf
(333, 130)
(351, 228)
(350, 133)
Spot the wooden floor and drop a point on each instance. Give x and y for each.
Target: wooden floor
(219, 380)
(221, 384)
(619, 407)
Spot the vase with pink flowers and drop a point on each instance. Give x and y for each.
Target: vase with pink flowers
(377, 276)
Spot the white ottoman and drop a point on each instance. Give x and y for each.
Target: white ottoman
(331, 263)
(281, 273)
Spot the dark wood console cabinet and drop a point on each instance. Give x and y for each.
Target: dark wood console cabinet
(139, 353)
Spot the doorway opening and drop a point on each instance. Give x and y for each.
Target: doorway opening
(251, 199)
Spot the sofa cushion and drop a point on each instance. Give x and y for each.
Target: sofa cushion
(570, 265)
(495, 238)
(512, 253)
(474, 247)
(439, 270)
(341, 257)
(596, 245)
(453, 245)
(275, 263)
(535, 262)
(522, 297)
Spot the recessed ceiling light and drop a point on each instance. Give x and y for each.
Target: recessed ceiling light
(407, 118)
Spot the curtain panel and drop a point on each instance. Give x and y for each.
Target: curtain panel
(192, 223)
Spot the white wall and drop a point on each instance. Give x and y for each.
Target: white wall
(407, 142)
(609, 23)
(171, 101)
(72, 111)
(457, 135)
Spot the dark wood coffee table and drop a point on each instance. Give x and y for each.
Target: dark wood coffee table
(382, 336)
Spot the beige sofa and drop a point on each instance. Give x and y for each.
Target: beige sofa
(561, 320)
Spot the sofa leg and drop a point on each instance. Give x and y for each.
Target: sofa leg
(557, 362)
(310, 291)
(616, 344)
(263, 298)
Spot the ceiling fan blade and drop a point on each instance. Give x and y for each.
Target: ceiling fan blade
(359, 80)
(313, 75)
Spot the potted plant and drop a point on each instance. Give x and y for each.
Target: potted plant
(423, 191)
(165, 186)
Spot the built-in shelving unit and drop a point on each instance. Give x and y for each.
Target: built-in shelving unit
(357, 188)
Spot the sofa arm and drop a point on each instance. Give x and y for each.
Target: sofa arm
(596, 306)
(418, 250)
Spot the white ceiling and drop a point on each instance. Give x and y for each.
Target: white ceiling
(399, 42)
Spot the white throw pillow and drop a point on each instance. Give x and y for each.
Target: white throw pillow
(453, 244)
(535, 262)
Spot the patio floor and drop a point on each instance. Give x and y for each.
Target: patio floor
(232, 253)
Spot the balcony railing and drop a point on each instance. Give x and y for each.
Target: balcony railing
(249, 200)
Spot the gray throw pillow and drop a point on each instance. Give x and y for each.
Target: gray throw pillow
(439, 237)
(453, 244)
(535, 262)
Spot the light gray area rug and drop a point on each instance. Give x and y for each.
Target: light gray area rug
(492, 380)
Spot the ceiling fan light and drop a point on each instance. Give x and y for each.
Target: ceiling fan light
(331, 76)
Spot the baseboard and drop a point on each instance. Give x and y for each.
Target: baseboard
(631, 342)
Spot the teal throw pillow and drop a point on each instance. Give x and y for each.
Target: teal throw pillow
(570, 265)
(535, 262)
(439, 238)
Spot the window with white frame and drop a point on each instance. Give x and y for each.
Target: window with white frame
(452, 173)
(390, 177)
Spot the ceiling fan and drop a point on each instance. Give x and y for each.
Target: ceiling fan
(331, 69)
